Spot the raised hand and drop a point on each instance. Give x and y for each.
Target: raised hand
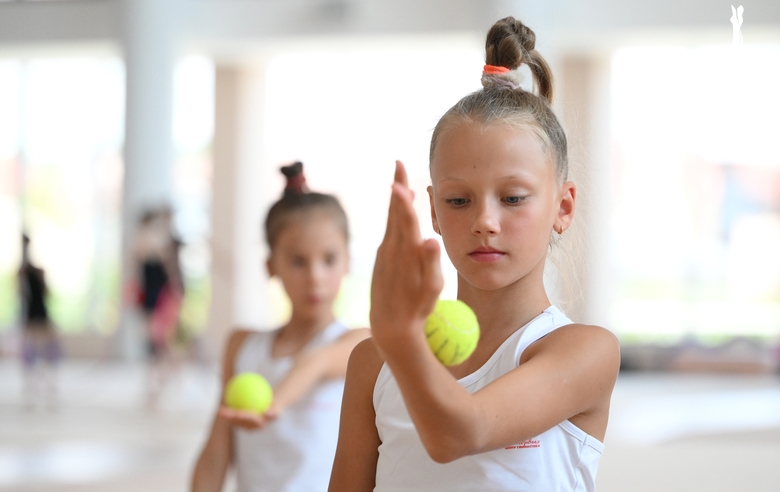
(407, 276)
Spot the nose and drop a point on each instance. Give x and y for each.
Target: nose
(317, 272)
(486, 220)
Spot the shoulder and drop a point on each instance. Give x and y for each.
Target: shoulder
(366, 355)
(354, 334)
(591, 336)
(365, 362)
(232, 347)
(237, 337)
(591, 346)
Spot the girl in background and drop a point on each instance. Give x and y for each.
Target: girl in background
(40, 344)
(291, 446)
(159, 293)
(528, 410)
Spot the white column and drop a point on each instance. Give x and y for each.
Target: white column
(149, 38)
(584, 111)
(240, 293)
(224, 203)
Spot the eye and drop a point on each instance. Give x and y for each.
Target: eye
(298, 261)
(330, 259)
(456, 201)
(514, 200)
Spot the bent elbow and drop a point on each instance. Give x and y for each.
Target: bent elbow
(442, 456)
(443, 452)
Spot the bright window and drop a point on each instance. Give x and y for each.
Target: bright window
(61, 138)
(696, 191)
(348, 114)
(63, 126)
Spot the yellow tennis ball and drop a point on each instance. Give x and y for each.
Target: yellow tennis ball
(452, 331)
(248, 391)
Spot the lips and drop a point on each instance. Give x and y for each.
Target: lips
(486, 254)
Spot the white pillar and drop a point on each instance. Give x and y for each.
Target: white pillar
(584, 112)
(239, 287)
(224, 203)
(149, 38)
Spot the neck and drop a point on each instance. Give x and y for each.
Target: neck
(502, 311)
(303, 326)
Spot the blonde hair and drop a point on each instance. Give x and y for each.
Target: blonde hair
(511, 44)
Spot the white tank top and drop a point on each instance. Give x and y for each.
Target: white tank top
(295, 452)
(563, 458)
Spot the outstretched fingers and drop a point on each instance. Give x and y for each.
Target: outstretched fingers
(402, 220)
(400, 174)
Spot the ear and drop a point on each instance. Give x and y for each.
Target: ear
(733, 11)
(269, 267)
(434, 220)
(567, 206)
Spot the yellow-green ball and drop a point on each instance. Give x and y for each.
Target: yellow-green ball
(452, 331)
(248, 391)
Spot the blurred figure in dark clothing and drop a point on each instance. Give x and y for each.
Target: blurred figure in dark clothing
(40, 346)
(155, 255)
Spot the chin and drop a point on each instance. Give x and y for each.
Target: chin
(488, 282)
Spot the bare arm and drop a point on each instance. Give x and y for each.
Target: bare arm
(312, 367)
(215, 458)
(569, 373)
(570, 376)
(354, 467)
(217, 454)
(309, 369)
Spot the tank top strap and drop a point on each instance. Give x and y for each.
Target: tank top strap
(331, 333)
(548, 321)
(508, 354)
(256, 346)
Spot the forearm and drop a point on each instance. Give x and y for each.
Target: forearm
(406, 283)
(448, 418)
(307, 371)
(310, 368)
(210, 471)
(214, 461)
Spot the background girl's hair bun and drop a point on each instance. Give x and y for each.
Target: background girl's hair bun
(296, 181)
(297, 198)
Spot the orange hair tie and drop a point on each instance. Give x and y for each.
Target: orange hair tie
(493, 69)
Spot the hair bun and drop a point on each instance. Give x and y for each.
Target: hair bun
(296, 181)
(526, 36)
(508, 43)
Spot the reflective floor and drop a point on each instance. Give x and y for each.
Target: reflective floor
(668, 432)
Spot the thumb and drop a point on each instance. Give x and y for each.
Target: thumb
(433, 281)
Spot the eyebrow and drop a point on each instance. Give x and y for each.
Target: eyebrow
(521, 176)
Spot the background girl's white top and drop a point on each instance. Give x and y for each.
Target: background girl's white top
(295, 452)
(563, 458)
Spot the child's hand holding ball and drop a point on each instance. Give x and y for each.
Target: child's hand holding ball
(248, 399)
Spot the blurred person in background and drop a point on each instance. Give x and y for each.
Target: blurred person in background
(160, 288)
(40, 345)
